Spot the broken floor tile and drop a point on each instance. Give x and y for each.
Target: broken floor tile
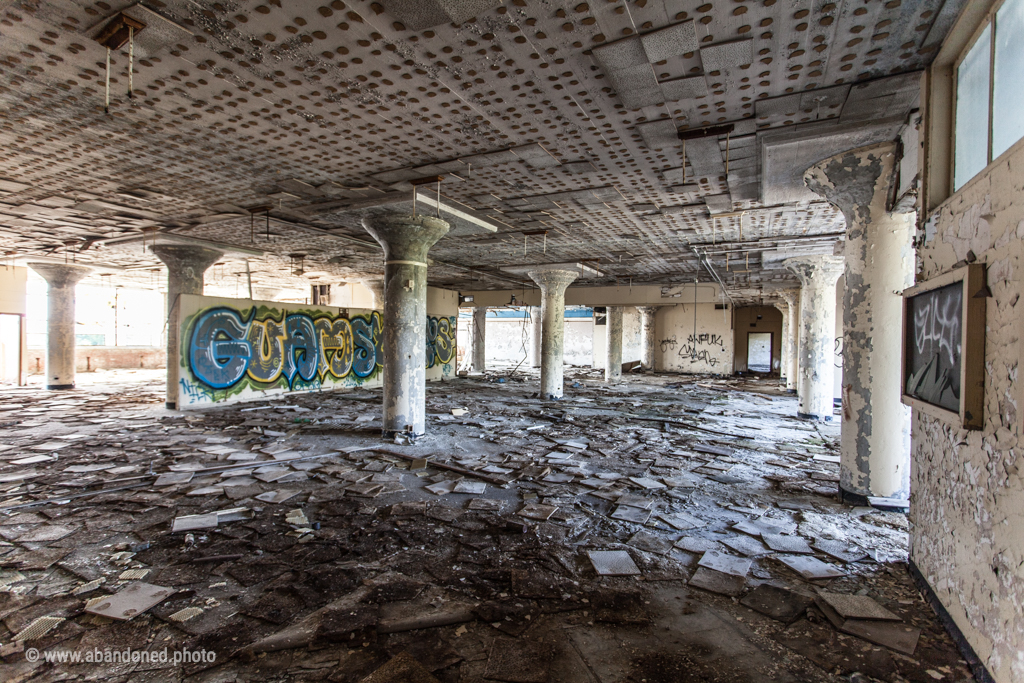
(627, 513)
(648, 542)
(725, 563)
(129, 602)
(613, 563)
(745, 545)
(717, 582)
(810, 567)
(515, 661)
(681, 520)
(786, 544)
(857, 606)
(844, 552)
(537, 511)
(778, 603)
(695, 544)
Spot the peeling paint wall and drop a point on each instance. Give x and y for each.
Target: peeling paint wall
(682, 348)
(967, 487)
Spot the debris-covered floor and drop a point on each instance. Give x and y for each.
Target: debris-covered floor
(668, 528)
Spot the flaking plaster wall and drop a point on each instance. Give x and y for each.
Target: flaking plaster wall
(682, 346)
(967, 487)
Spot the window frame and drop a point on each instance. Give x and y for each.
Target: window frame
(988, 23)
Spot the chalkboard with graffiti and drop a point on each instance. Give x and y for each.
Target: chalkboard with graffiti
(227, 351)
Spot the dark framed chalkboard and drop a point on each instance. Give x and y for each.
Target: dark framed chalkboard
(943, 369)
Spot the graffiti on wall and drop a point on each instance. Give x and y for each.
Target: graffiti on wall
(227, 350)
(691, 350)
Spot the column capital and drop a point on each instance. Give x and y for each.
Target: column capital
(647, 310)
(819, 268)
(60, 274)
(178, 257)
(552, 279)
(405, 237)
(855, 181)
(788, 296)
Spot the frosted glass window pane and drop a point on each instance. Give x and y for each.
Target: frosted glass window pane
(1008, 93)
(972, 83)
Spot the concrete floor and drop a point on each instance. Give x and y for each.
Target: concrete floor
(471, 590)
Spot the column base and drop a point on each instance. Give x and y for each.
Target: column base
(390, 434)
(59, 387)
(851, 498)
(816, 418)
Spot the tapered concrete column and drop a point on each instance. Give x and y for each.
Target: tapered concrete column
(376, 287)
(783, 308)
(553, 283)
(647, 334)
(791, 338)
(406, 239)
(536, 317)
(186, 268)
(479, 340)
(60, 321)
(875, 450)
(613, 345)
(817, 332)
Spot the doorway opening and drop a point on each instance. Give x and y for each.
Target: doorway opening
(10, 349)
(759, 351)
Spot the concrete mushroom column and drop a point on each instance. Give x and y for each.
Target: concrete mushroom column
(875, 447)
(186, 267)
(406, 239)
(60, 321)
(791, 337)
(536, 316)
(647, 334)
(783, 308)
(613, 345)
(376, 287)
(552, 282)
(817, 332)
(479, 340)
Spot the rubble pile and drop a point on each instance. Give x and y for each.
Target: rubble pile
(653, 530)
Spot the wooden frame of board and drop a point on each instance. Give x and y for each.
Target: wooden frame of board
(972, 356)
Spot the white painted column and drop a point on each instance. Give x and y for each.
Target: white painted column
(792, 340)
(406, 240)
(536, 318)
(552, 282)
(879, 255)
(647, 335)
(60, 321)
(478, 340)
(186, 270)
(818, 274)
(613, 345)
(783, 308)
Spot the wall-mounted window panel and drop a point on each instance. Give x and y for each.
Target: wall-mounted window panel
(972, 110)
(1008, 77)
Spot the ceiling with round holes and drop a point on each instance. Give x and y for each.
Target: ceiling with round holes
(554, 130)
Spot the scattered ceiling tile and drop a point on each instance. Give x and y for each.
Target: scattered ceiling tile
(725, 56)
(684, 88)
(670, 41)
(579, 167)
(417, 15)
(535, 156)
(658, 134)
